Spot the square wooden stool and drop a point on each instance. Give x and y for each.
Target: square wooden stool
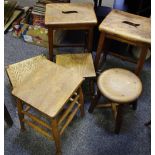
(128, 28)
(49, 89)
(70, 16)
(81, 63)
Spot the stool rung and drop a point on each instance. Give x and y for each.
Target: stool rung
(34, 118)
(69, 119)
(43, 132)
(108, 105)
(27, 108)
(114, 110)
(68, 109)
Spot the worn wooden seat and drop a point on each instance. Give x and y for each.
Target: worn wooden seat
(120, 87)
(128, 28)
(80, 63)
(52, 90)
(58, 14)
(70, 16)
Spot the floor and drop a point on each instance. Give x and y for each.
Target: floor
(91, 135)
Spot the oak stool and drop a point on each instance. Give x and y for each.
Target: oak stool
(128, 28)
(70, 16)
(48, 88)
(120, 87)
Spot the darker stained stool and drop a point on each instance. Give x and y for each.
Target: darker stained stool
(7, 117)
(127, 28)
(70, 16)
(120, 87)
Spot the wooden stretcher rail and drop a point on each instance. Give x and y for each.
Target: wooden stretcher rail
(70, 117)
(123, 57)
(34, 118)
(43, 132)
(69, 45)
(114, 110)
(27, 108)
(107, 105)
(68, 109)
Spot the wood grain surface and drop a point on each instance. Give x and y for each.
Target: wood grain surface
(80, 63)
(120, 85)
(79, 13)
(48, 87)
(127, 26)
(17, 72)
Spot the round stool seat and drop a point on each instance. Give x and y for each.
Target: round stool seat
(119, 85)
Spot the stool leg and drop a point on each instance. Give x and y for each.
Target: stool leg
(81, 100)
(90, 40)
(94, 102)
(141, 60)
(20, 114)
(50, 42)
(148, 123)
(118, 121)
(56, 136)
(99, 50)
(7, 116)
(134, 105)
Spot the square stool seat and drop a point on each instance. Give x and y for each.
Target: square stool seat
(48, 87)
(81, 63)
(128, 26)
(70, 13)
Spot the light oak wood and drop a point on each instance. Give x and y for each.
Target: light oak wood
(80, 63)
(120, 85)
(34, 118)
(115, 24)
(68, 110)
(17, 72)
(38, 129)
(56, 135)
(20, 114)
(70, 117)
(85, 14)
(47, 87)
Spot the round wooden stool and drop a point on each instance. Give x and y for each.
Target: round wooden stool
(120, 86)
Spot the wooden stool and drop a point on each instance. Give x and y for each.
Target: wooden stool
(49, 89)
(70, 16)
(81, 64)
(121, 87)
(128, 28)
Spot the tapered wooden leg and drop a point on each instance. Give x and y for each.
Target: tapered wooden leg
(148, 123)
(99, 50)
(141, 60)
(81, 100)
(118, 121)
(56, 136)
(94, 102)
(7, 117)
(20, 114)
(50, 42)
(134, 105)
(90, 40)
